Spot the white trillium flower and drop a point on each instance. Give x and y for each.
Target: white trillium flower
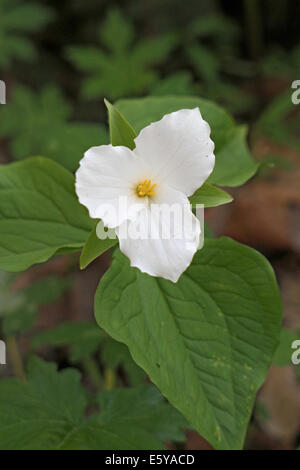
(172, 158)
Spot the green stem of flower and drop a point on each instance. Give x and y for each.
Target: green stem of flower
(109, 379)
(15, 357)
(92, 370)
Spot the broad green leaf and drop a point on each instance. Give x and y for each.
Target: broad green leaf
(121, 132)
(206, 341)
(47, 412)
(83, 337)
(234, 164)
(94, 247)
(39, 213)
(210, 196)
(136, 418)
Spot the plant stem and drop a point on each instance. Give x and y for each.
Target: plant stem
(109, 379)
(92, 370)
(14, 354)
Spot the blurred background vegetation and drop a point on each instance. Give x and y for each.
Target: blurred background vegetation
(59, 59)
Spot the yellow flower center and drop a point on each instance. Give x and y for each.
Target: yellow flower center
(145, 189)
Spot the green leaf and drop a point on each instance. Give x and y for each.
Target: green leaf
(178, 83)
(46, 290)
(234, 164)
(19, 309)
(207, 341)
(115, 355)
(83, 337)
(47, 412)
(210, 196)
(94, 247)
(39, 213)
(124, 66)
(16, 21)
(277, 120)
(205, 61)
(130, 419)
(116, 33)
(217, 26)
(121, 133)
(40, 413)
(19, 320)
(38, 124)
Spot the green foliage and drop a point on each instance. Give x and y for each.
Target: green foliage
(178, 83)
(280, 121)
(209, 41)
(47, 290)
(281, 63)
(94, 247)
(38, 124)
(206, 341)
(121, 132)
(84, 338)
(52, 414)
(39, 213)
(210, 44)
(120, 67)
(234, 163)
(115, 355)
(210, 196)
(16, 21)
(19, 310)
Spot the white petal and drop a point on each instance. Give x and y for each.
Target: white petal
(151, 253)
(106, 182)
(178, 149)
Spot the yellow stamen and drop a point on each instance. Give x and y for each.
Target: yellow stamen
(145, 189)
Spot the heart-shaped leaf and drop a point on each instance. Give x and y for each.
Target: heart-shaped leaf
(39, 213)
(207, 341)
